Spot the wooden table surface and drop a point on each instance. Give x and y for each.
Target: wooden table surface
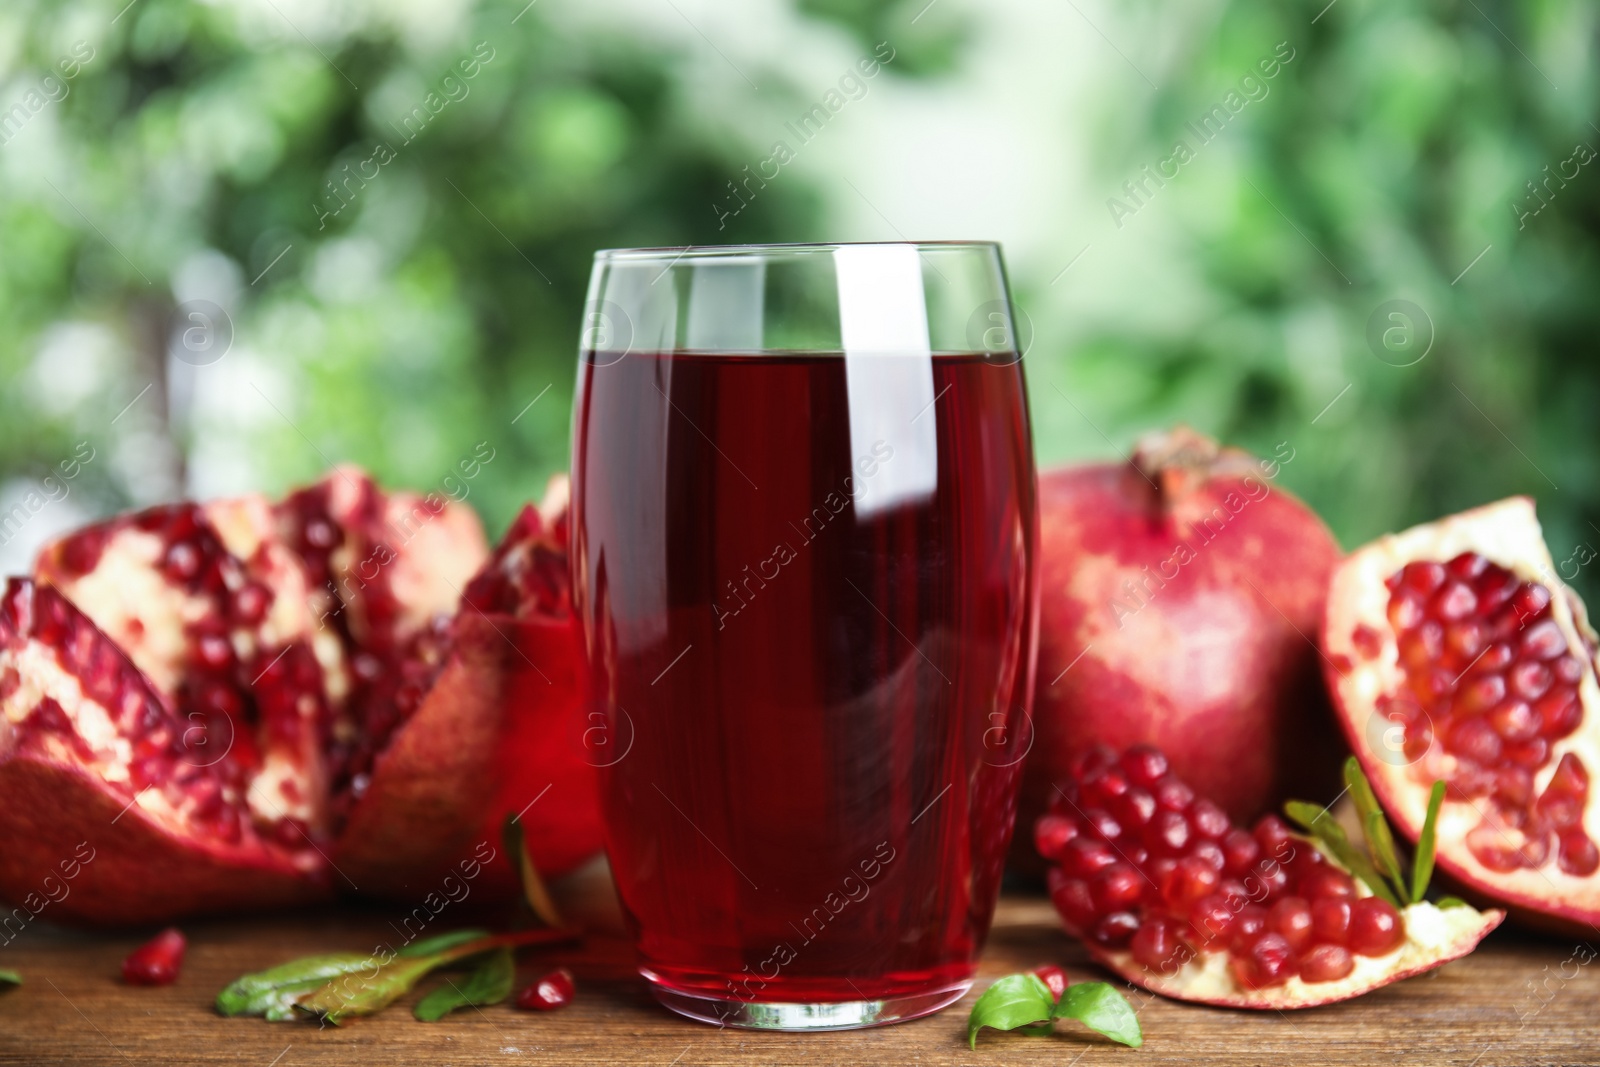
(1518, 1000)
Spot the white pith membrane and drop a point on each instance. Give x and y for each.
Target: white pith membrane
(1508, 534)
(1434, 936)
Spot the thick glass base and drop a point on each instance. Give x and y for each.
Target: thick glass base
(779, 1015)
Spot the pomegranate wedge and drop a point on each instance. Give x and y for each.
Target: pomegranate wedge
(1166, 892)
(1456, 653)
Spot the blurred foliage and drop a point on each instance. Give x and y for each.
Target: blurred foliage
(1385, 157)
(194, 156)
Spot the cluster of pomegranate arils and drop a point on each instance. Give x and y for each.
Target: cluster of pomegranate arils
(1491, 679)
(1144, 865)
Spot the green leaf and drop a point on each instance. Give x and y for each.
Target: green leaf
(10, 979)
(1380, 845)
(534, 894)
(1380, 839)
(1017, 1000)
(1100, 1007)
(1326, 829)
(1427, 842)
(1453, 902)
(358, 994)
(341, 984)
(273, 992)
(429, 945)
(489, 984)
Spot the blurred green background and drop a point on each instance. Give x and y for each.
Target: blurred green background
(241, 239)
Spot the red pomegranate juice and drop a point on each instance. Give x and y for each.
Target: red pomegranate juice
(812, 667)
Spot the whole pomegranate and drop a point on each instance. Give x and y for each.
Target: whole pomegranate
(248, 703)
(1181, 594)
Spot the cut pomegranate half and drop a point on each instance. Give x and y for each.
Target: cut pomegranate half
(1455, 653)
(1164, 891)
(240, 704)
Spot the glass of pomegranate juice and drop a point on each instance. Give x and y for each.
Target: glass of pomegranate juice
(804, 559)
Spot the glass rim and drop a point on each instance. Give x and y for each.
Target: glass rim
(676, 252)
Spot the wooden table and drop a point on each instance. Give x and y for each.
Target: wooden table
(1518, 1000)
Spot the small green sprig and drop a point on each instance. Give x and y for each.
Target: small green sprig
(1378, 865)
(9, 980)
(1023, 1002)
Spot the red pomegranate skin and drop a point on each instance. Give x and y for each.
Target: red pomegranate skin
(1181, 597)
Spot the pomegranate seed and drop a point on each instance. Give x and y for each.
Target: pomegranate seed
(1076, 906)
(1515, 720)
(1169, 831)
(1085, 856)
(554, 990)
(1513, 787)
(1272, 834)
(1155, 947)
(1481, 693)
(1330, 920)
(1423, 576)
(250, 604)
(1114, 930)
(1268, 961)
(183, 561)
(1054, 979)
(1474, 739)
(1367, 641)
(1249, 924)
(1291, 917)
(1240, 851)
(1559, 713)
(1493, 847)
(157, 961)
(1210, 853)
(1101, 822)
(1376, 928)
(1578, 855)
(1570, 777)
(1326, 963)
(1423, 646)
(1543, 641)
(1144, 765)
(1529, 680)
(1099, 789)
(1568, 670)
(1497, 657)
(1190, 880)
(1464, 639)
(1561, 810)
(1117, 888)
(1207, 819)
(1211, 920)
(1051, 834)
(1405, 612)
(1530, 600)
(1134, 808)
(1327, 883)
(1172, 795)
(1455, 601)
(1467, 565)
(1529, 753)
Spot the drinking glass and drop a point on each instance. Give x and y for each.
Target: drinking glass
(804, 559)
